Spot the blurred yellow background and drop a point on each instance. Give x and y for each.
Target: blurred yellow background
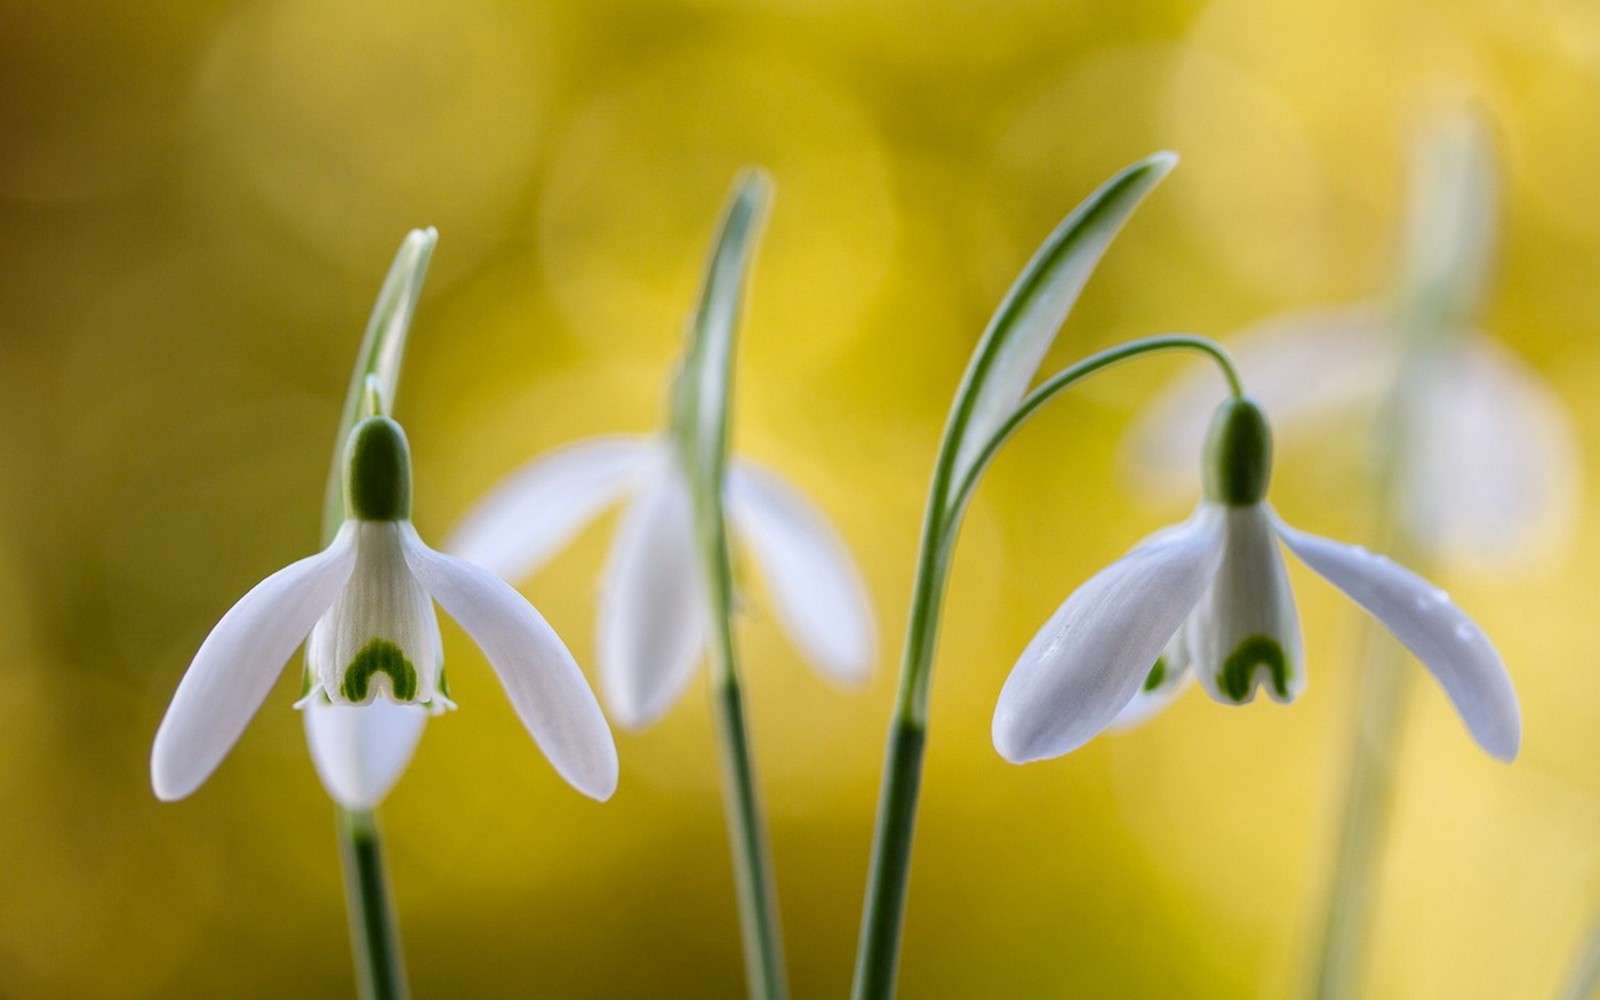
(198, 202)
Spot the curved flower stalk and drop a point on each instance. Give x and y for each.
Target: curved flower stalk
(991, 404)
(1211, 598)
(653, 629)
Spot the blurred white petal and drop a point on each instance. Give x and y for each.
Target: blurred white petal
(1091, 657)
(1302, 368)
(1245, 632)
(544, 683)
(1437, 632)
(821, 600)
(653, 616)
(238, 663)
(360, 751)
(1493, 476)
(535, 510)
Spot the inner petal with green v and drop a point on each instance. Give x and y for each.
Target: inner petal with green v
(380, 656)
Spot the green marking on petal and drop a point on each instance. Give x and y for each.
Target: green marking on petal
(378, 471)
(1158, 673)
(380, 656)
(1238, 672)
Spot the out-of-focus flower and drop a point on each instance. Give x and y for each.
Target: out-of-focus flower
(1211, 597)
(374, 647)
(653, 619)
(1483, 455)
(1491, 473)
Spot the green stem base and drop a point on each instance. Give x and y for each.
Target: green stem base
(374, 933)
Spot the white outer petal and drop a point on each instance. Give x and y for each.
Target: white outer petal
(238, 663)
(1493, 475)
(1146, 704)
(653, 617)
(543, 681)
(537, 509)
(1302, 368)
(1250, 597)
(1437, 632)
(360, 751)
(1089, 660)
(821, 600)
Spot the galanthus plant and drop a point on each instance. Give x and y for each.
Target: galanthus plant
(991, 403)
(1210, 599)
(668, 592)
(1475, 461)
(1207, 598)
(374, 656)
(1492, 463)
(365, 603)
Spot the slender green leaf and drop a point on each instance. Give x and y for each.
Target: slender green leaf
(701, 401)
(705, 382)
(383, 347)
(1014, 345)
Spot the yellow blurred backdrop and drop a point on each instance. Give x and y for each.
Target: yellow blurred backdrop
(198, 202)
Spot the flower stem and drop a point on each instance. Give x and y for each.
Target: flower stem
(374, 934)
(1380, 713)
(1584, 980)
(747, 831)
(889, 871)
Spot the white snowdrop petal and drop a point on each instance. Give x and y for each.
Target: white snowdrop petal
(360, 751)
(238, 663)
(543, 681)
(1438, 633)
(1159, 689)
(653, 616)
(819, 594)
(1302, 368)
(537, 509)
(1493, 476)
(1091, 657)
(1245, 633)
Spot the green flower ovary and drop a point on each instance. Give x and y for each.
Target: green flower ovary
(1237, 675)
(380, 656)
(377, 475)
(1238, 454)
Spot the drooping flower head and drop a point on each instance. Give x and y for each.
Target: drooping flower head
(1210, 599)
(375, 664)
(1481, 458)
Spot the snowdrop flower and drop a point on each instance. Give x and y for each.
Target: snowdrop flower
(653, 619)
(1488, 458)
(374, 656)
(1492, 478)
(1210, 598)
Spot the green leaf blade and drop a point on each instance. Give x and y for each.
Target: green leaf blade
(383, 347)
(704, 385)
(1023, 328)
